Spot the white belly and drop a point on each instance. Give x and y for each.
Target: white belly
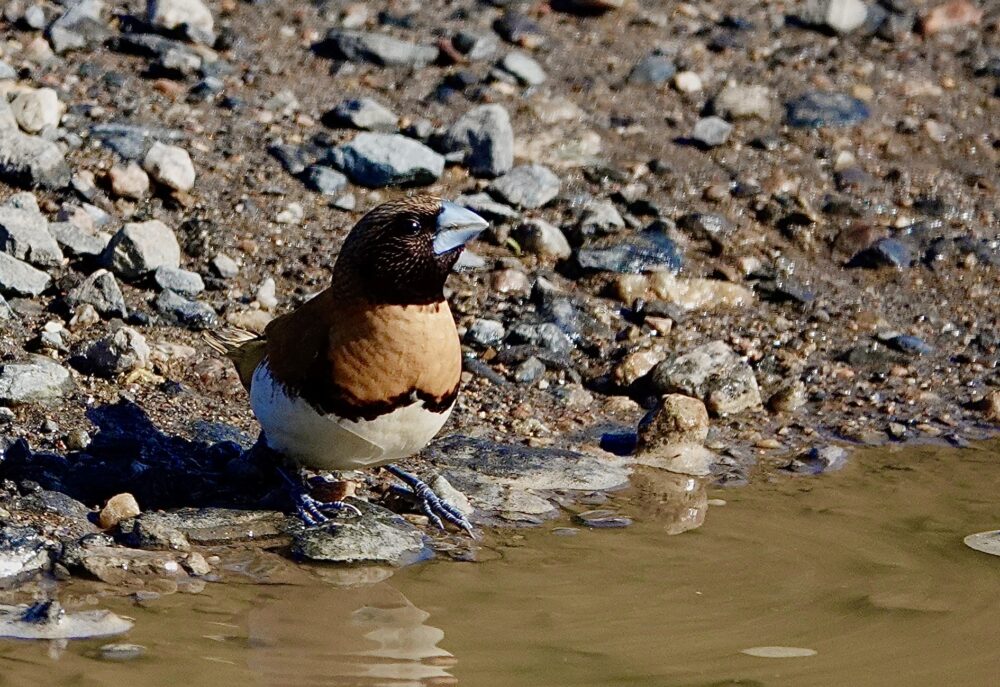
(325, 442)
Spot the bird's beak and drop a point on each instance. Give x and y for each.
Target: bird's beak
(456, 226)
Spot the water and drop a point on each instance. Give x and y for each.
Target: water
(866, 567)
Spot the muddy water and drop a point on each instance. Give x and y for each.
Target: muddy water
(865, 567)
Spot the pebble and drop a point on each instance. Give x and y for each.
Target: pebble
(182, 311)
(485, 138)
(526, 186)
(100, 290)
(122, 351)
(18, 278)
(543, 239)
(119, 507)
(267, 294)
(711, 372)
(676, 419)
(601, 519)
(122, 652)
(485, 333)
(176, 279)
(742, 101)
(711, 131)
(171, 166)
(523, 68)
(224, 266)
(818, 459)
(33, 379)
(140, 247)
(885, 252)
(365, 113)
(376, 160)
(324, 180)
(529, 371)
(840, 16)
(475, 46)
(818, 109)
(31, 161)
(80, 26)
(380, 49)
(950, 15)
(653, 69)
(129, 181)
(24, 235)
(191, 16)
(37, 109)
(688, 82)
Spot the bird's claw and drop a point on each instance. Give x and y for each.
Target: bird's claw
(312, 511)
(437, 510)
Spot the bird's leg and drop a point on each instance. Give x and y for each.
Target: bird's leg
(434, 507)
(311, 510)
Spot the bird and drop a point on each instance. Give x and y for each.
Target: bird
(366, 372)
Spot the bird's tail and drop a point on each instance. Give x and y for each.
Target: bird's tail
(244, 348)
(228, 339)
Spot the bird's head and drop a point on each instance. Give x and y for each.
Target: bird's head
(403, 250)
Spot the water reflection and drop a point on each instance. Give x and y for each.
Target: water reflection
(678, 502)
(370, 636)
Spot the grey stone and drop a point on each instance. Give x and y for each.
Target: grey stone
(31, 161)
(80, 26)
(820, 109)
(171, 166)
(24, 234)
(182, 281)
(23, 554)
(219, 526)
(100, 290)
(131, 141)
(191, 314)
(140, 247)
(818, 459)
(37, 110)
(152, 533)
(530, 371)
(7, 72)
(600, 216)
(365, 113)
(483, 332)
(23, 200)
(78, 242)
(601, 519)
(18, 278)
(711, 131)
(224, 266)
(379, 536)
(739, 101)
(543, 239)
(523, 68)
(5, 311)
(712, 372)
(190, 16)
(653, 69)
(485, 138)
(377, 160)
(644, 252)
(483, 205)
(33, 379)
(476, 46)
(48, 620)
(361, 46)
(122, 351)
(118, 565)
(526, 186)
(325, 180)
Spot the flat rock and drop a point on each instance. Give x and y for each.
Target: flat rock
(81, 26)
(24, 553)
(526, 186)
(140, 247)
(380, 49)
(100, 290)
(820, 109)
(123, 566)
(24, 234)
(18, 278)
(744, 101)
(33, 379)
(184, 282)
(31, 161)
(712, 372)
(376, 160)
(77, 241)
(523, 68)
(221, 526)
(365, 113)
(185, 312)
(485, 138)
(641, 253)
(47, 620)
(379, 536)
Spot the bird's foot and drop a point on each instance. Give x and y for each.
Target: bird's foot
(309, 509)
(437, 510)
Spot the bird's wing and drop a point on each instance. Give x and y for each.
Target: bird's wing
(244, 348)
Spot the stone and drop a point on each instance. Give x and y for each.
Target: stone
(152, 534)
(122, 652)
(483, 205)
(990, 405)
(601, 519)
(688, 82)
(950, 15)
(365, 113)
(80, 26)
(78, 242)
(23, 554)
(485, 333)
(653, 70)
(683, 459)
(185, 312)
(37, 109)
(648, 251)
(820, 109)
(224, 266)
(379, 536)
(517, 28)
(377, 160)
(129, 181)
(886, 252)
(713, 373)
(47, 620)
(18, 278)
(711, 131)
(118, 508)
(475, 46)
(788, 398)
(210, 527)
(600, 217)
(818, 459)
(380, 49)
(529, 371)
(182, 281)
(31, 161)
(171, 166)
(840, 16)
(324, 180)
(190, 16)
(745, 101)
(7, 73)
(33, 379)
(676, 419)
(267, 294)
(100, 290)
(697, 293)
(140, 247)
(121, 566)
(485, 138)
(24, 234)
(122, 351)
(523, 68)
(526, 186)
(637, 365)
(543, 239)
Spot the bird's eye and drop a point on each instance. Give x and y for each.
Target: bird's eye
(413, 226)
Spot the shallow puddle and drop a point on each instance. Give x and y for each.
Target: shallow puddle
(854, 578)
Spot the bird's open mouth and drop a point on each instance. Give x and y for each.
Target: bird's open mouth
(456, 226)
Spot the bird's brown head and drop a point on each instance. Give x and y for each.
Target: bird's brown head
(402, 251)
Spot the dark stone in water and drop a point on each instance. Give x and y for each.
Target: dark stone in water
(818, 459)
(602, 519)
(814, 110)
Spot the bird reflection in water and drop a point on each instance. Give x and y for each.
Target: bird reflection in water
(365, 637)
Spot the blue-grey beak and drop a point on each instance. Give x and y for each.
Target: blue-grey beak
(456, 226)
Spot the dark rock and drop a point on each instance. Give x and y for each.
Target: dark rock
(646, 252)
(380, 49)
(814, 110)
(912, 345)
(818, 459)
(188, 313)
(514, 27)
(379, 536)
(294, 159)
(884, 253)
(100, 290)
